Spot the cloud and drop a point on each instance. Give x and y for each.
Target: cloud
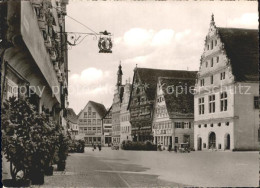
(137, 36)
(163, 37)
(89, 76)
(245, 20)
(181, 35)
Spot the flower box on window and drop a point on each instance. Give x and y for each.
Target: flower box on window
(36, 2)
(59, 73)
(56, 66)
(48, 42)
(42, 24)
(53, 55)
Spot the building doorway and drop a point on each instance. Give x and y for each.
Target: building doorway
(227, 142)
(199, 143)
(212, 140)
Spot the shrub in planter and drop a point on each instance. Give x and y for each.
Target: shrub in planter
(62, 152)
(27, 140)
(129, 145)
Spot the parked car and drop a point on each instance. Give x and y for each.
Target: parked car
(184, 148)
(115, 146)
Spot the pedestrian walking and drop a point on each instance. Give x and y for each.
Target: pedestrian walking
(94, 147)
(170, 148)
(99, 147)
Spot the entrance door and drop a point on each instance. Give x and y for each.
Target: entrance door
(212, 140)
(227, 141)
(199, 143)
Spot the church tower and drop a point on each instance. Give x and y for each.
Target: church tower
(119, 75)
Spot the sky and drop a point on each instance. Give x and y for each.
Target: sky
(147, 34)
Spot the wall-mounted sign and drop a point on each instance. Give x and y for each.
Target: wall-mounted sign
(105, 43)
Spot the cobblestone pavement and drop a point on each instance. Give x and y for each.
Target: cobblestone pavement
(111, 168)
(93, 170)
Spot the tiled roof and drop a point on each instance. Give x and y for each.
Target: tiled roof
(241, 46)
(110, 109)
(100, 108)
(179, 101)
(150, 76)
(71, 115)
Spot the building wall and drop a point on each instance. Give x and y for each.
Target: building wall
(247, 124)
(107, 128)
(116, 117)
(90, 125)
(164, 128)
(140, 112)
(235, 127)
(125, 126)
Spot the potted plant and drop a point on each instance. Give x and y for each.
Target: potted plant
(26, 141)
(63, 147)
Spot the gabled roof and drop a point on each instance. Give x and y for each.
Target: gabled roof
(71, 115)
(100, 108)
(179, 103)
(108, 111)
(242, 49)
(150, 76)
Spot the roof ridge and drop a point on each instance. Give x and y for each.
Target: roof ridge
(237, 28)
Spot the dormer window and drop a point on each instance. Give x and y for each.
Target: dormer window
(211, 44)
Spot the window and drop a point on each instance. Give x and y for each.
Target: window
(93, 122)
(177, 124)
(176, 140)
(212, 62)
(199, 126)
(98, 122)
(256, 102)
(186, 125)
(206, 64)
(201, 105)
(219, 124)
(211, 79)
(217, 59)
(211, 44)
(223, 101)
(205, 125)
(227, 123)
(211, 125)
(89, 122)
(208, 46)
(85, 114)
(94, 114)
(216, 42)
(222, 76)
(211, 103)
(202, 82)
(89, 109)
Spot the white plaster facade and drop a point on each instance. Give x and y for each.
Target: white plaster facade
(125, 125)
(234, 122)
